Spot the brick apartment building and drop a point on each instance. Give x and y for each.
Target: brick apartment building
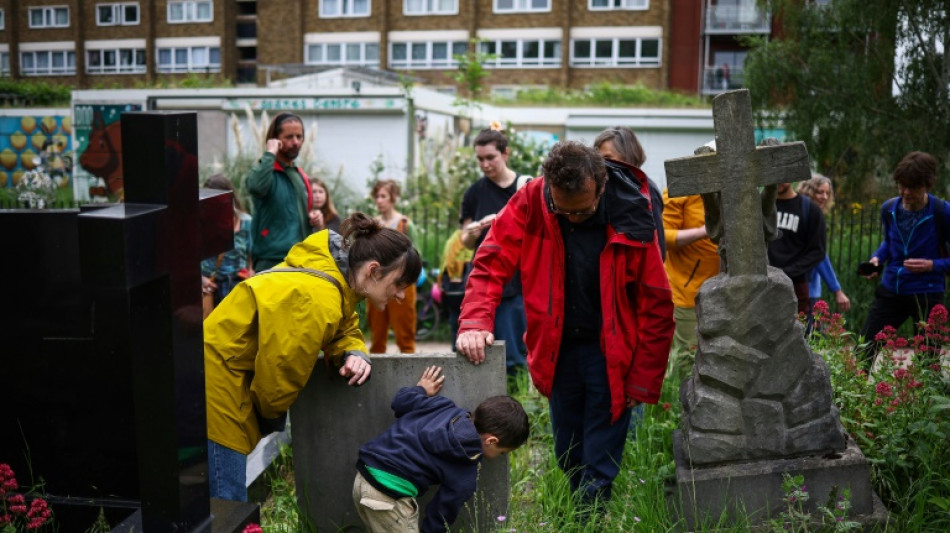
(559, 43)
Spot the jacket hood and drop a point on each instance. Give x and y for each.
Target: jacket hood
(461, 441)
(320, 251)
(628, 209)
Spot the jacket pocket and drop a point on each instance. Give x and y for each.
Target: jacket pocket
(376, 504)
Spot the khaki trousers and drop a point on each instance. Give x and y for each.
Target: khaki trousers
(382, 513)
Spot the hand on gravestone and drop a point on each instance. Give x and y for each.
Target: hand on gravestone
(357, 369)
(431, 381)
(472, 344)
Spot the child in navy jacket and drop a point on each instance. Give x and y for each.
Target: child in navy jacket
(431, 442)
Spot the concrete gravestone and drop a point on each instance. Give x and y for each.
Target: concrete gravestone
(330, 421)
(759, 401)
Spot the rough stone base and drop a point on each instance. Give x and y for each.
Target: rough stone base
(721, 494)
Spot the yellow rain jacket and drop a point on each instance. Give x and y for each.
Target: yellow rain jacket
(263, 340)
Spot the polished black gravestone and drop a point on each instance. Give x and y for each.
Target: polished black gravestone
(102, 360)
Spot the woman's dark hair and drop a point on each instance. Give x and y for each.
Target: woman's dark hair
(221, 182)
(916, 169)
(389, 185)
(273, 131)
(626, 144)
(503, 417)
(570, 164)
(329, 212)
(490, 136)
(368, 240)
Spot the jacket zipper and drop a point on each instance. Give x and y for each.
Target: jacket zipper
(904, 242)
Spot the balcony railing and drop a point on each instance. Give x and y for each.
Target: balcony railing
(720, 79)
(745, 18)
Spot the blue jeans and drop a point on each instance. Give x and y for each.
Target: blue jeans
(227, 473)
(510, 325)
(588, 447)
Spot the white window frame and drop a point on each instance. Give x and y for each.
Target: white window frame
(189, 65)
(428, 63)
(118, 14)
(616, 61)
(189, 11)
(117, 68)
(49, 16)
(50, 70)
(429, 7)
(345, 59)
(620, 5)
(520, 6)
(346, 9)
(519, 60)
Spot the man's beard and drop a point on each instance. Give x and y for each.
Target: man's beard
(290, 155)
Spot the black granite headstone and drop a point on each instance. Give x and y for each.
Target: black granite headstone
(102, 366)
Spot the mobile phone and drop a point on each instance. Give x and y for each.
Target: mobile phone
(867, 268)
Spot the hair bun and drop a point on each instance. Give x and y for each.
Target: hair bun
(359, 225)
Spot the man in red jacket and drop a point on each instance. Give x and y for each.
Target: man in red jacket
(597, 300)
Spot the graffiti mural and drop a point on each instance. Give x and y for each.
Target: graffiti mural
(31, 141)
(98, 175)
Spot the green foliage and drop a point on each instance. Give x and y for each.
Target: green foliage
(193, 80)
(833, 83)
(899, 415)
(471, 71)
(607, 95)
(35, 93)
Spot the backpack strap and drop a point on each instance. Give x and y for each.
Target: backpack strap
(806, 213)
(940, 217)
(311, 272)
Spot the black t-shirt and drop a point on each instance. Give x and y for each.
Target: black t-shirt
(484, 198)
(802, 245)
(583, 244)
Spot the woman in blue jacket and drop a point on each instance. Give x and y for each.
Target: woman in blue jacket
(913, 254)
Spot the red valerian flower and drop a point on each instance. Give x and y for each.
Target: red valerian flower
(253, 528)
(900, 373)
(883, 389)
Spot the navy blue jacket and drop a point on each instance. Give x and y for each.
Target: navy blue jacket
(431, 442)
(920, 244)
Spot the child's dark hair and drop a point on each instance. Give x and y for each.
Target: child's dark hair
(368, 240)
(503, 417)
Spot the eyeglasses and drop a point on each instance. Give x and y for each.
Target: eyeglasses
(558, 211)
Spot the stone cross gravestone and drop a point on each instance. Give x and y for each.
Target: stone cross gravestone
(107, 356)
(330, 421)
(759, 401)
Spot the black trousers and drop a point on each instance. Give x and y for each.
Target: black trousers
(893, 309)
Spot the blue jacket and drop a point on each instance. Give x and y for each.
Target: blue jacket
(921, 243)
(431, 442)
(824, 271)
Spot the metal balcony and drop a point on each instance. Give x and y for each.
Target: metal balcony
(720, 79)
(743, 18)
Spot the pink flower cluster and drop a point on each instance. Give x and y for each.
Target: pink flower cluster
(253, 528)
(14, 507)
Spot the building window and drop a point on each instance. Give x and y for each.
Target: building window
(49, 17)
(47, 63)
(608, 5)
(189, 59)
(116, 61)
(126, 14)
(615, 52)
(522, 52)
(344, 8)
(3, 20)
(521, 6)
(360, 54)
(191, 11)
(426, 54)
(431, 7)
(4, 63)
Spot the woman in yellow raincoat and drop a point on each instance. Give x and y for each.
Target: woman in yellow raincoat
(262, 341)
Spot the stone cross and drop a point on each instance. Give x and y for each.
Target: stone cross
(736, 170)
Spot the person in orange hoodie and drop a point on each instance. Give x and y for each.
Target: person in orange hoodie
(691, 259)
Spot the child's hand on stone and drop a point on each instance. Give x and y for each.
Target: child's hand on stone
(431, 381)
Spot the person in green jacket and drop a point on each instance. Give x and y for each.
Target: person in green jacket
(281, 194)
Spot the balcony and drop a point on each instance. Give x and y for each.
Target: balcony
(744, 17)
(720, 79)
